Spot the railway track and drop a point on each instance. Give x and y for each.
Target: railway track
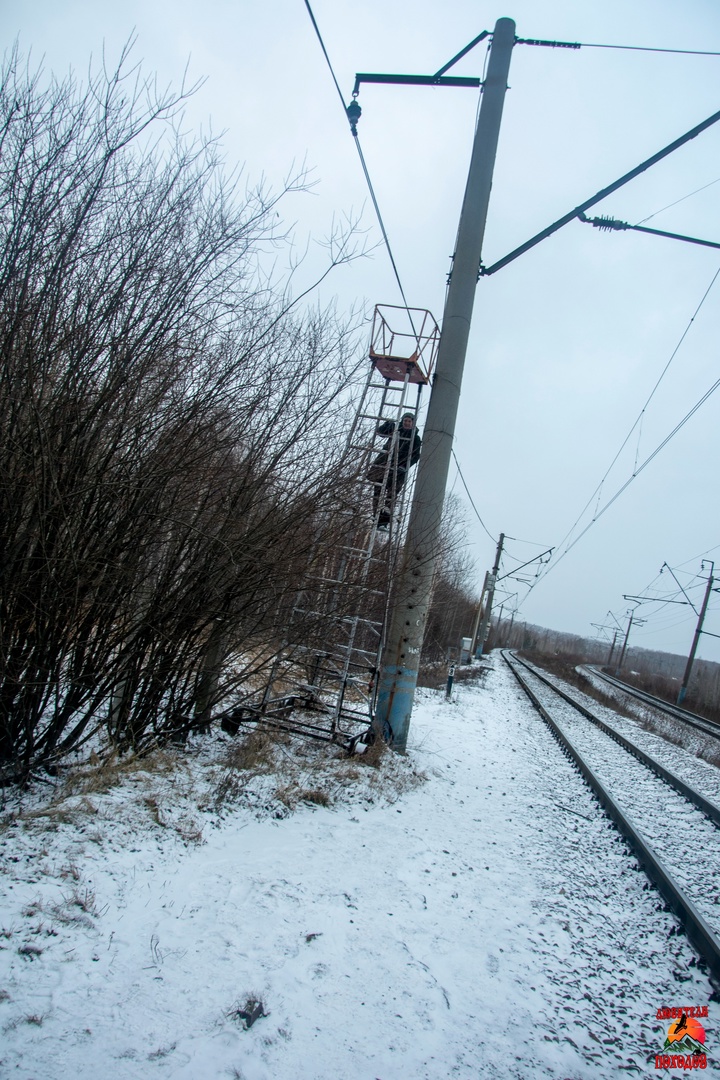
(673, 830)
(709, 727)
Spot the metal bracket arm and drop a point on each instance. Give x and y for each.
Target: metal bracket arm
(438, 79)
(413, 80)
(485, 271)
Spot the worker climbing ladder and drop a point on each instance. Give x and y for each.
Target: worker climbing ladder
(323, 680)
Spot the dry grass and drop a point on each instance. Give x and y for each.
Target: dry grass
(229, 789)
(78, 908)
(71, 805)
(84, 899)
(374, 754)
(154, 808)
(315, 797)
(293, 793)
(252, 753)
(435, 676)
(254, 750)
(98, 776)
(251, 1009)
(161, 1052)
(266, 770)
(188, 828)
(102, 775)
(189, 831)
(30, 952)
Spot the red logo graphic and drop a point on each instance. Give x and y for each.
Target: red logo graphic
(685, 1043)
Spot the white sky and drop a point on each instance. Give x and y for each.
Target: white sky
(567, 342)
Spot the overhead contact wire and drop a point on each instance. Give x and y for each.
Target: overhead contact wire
(477, 513)
(677, 201)
(595, 45)
(364, 166)
(630, 432)
(645, 463)
(648, 48)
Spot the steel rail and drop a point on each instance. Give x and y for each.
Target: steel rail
(710, 727)
(696, 928)
(709, 808)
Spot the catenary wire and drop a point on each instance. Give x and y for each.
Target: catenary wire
(646, 462)
(477, 513)
(677, 201)
(696, 557)
(596, 45)
(618, 493)
(648, 632)
(665, 602)
(533, 543)
(371, 189)
(561, 552)
(648, 48)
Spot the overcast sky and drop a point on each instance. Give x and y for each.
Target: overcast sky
(567, 342)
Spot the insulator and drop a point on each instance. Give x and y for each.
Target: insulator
(609, 223)
(354, 112)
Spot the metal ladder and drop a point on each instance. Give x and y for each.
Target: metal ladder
(323, 679)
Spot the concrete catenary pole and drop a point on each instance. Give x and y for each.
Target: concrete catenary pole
(478, 615)
(492, 581)
(612, 649)
(618, 669)
(498, 626)
(696, 638)
(399, 669)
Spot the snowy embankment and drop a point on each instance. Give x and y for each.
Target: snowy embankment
(465, 911)
(664, 727)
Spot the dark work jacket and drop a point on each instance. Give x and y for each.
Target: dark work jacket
(409, 444)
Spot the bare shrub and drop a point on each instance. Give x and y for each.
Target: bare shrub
(454, 600)
(170, 421)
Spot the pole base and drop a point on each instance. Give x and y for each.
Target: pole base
(394, 705)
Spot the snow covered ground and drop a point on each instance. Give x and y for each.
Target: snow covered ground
(668, 729)
(465, 911)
